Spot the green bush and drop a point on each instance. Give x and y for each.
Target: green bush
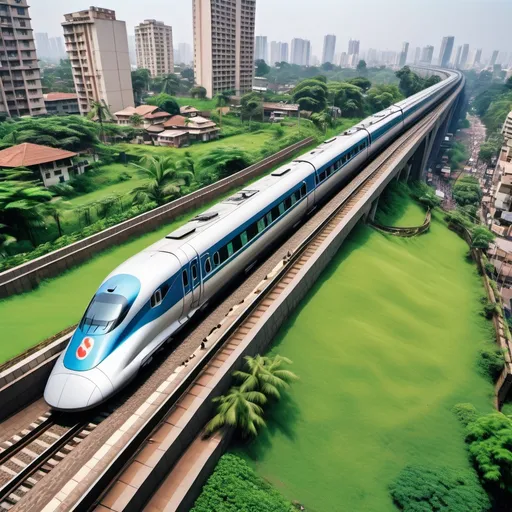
(425, 489)
(466, 413)
(489, 309)
(491, 363)
(234, 487)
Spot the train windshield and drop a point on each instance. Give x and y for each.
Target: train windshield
(105, 312)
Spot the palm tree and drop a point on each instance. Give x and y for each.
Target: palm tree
(240, 409)
(187, 164)
(170, 84)
(164, 180)
(5, 241)
(266, 375)
(19, 202)
(101, 112)
(136, 120)
(222, 100)
(54, 210)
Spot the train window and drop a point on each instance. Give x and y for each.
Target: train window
(252, 230)
(156, 299)
(237, 243)
(261, 225)
(316, 179)
(165, 289)
(223, 251)
(193, 268)
(322, 176)
(216, 259)
(244, 238)
(280, 210)
(269, 217)
(295, 197)
(185, 278)
(230, 249)
(207, 266)
(303, 190)
(287, 203)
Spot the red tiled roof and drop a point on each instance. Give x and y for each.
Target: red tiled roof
(157, 115)
(145, 109)
(25, 155)
(175, 121)
(188, 108)
(57, 96)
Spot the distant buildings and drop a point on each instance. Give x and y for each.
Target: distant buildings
(49, 48)
(329, 49)
(456, 61)
(478, 58)
(300, 52)
(494, 58)
(20, 77)
(278, 52)
(61, 103)
(417, 55)
(403, 54)
(224, 45)
(446, 51)
(260, 48)
(353, 47)
(464, 56)
(153, 41)
(427, 54)
(97, 47)
(185, 55)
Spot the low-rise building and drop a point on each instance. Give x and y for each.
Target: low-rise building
(272, 110)
(503, 196)
(61, 103)
(151, 115)
(507, 128)
(198, 128)
(53, 165)
(189, 111)
(174, 138)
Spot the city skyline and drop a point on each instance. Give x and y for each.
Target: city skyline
(450, 17)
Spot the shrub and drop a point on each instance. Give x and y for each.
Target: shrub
(466, 413)
(234, 486)
(489, 309)
(424, 489)
(491, 363)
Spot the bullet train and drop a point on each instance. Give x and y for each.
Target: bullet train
(148, 298)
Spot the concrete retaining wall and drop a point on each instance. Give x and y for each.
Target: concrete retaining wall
(27, 276)
(23, 382)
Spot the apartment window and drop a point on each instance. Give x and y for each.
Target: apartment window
(58, 172)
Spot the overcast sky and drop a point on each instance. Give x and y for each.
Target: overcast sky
(380, 24)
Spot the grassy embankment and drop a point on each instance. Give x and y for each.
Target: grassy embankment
(385, 345)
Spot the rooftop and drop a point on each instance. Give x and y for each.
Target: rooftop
(172, 133)
(26, 155)
(282, 106)
(58, 96)
(142, 110)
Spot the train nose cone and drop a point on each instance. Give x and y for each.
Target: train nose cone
(71, 392)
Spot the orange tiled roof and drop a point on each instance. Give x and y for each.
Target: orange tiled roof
(176, 120)
(26, 155)
(56, 96)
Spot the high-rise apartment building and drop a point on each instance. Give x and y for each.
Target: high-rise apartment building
(20, 77)
(300, 53)
(260, 48)
(353, 47)
(456, 61)
(329, 49)
(42, 45)
(417, 55)
(224, 45)
(494, 57)
(464, 56)
(97, 46)
(372, 58)
(153, 43)
(478, 57)
(403, 54)
(427, 54)
(278, 52)
(185, 53)
(446, 51)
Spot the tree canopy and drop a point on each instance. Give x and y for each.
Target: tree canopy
(311, 95)
(349, 98)
(382, 96)
(166, 102)
(262, 68)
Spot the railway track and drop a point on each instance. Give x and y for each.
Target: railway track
(31, 455)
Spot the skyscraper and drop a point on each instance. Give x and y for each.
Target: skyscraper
(353, 47)
(403, 54)
(300, 52)
(427, 55)
(42, 45)
(478, 57)
(20, 77)
(372, 57)
(446, 51)
(456, 62)
(97, 46)
(278, 52)
(132, 50)
(185, 53)
(464, 56)
(153, 41)
(417, 55)
(494, 57)
(224, 45)
(329, 48)
(285, 52)
(260, 48)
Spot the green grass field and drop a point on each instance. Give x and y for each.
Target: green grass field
(385, 345)
(196, 102)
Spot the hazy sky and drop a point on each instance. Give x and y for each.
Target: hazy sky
(381, 24)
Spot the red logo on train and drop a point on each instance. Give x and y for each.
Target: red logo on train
(85, 347)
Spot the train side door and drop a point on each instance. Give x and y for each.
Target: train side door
(195, 282)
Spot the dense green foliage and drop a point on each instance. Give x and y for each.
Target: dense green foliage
(166, 102)
(251, 106)
(457, 155)
(58, 78)
(262, 68)
(467, 191)
(491, 361)
(221, 163)
(411, 83)
(382, 96)
(429, 489)
(465, 413)
(311, 95)
(234, 487)
(491, 148)
(490, 446)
